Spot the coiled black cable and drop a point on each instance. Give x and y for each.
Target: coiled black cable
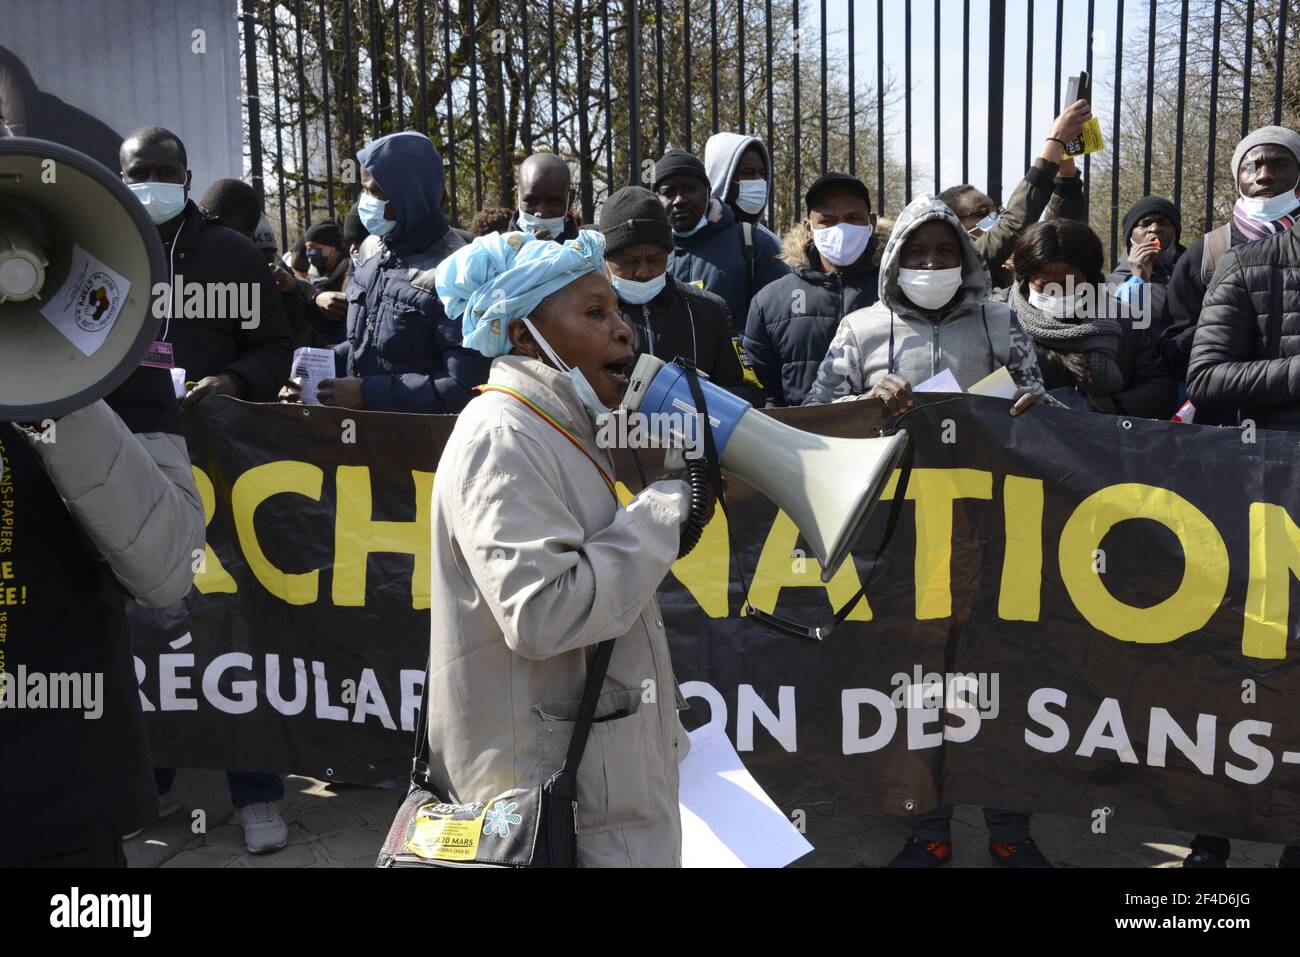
(697, 477)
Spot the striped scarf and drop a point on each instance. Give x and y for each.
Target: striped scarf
(1253, 229)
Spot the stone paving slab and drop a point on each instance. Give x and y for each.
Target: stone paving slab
(342, 825)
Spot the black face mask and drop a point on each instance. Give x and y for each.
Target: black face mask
(316, 257)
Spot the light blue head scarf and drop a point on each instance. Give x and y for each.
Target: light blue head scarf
(503, 276)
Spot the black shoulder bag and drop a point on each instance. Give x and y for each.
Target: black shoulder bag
(522, 827)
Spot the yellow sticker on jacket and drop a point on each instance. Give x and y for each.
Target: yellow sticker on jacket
(447, 832)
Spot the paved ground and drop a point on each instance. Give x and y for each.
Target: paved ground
(339, 825)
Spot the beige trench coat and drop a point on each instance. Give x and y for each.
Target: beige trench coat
(533, 565)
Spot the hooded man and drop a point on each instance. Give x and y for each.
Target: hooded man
(793, 320)
(1152, 229)
(711, 250)
(670, 317)
(544, 191)
(402, 353)
(1266, 169)
(536, 563)
(740, 174)
(244, 347)
(934, 313)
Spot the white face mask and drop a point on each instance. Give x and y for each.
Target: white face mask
(694, 229)
(1268, 209)
(162, 201)
(542, 228)
(930, 288)
(751, 195)
(842, 244)
(586, 394)
(1060, 307)
(637, 293)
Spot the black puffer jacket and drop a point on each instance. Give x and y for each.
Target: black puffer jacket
(1246, 351)
(689, 322)
(1186, 293)
(256, 350)
(793, 320)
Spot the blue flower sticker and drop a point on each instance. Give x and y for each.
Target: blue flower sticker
(500, 817)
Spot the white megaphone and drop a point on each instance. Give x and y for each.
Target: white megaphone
(78, 254)
(828, 486)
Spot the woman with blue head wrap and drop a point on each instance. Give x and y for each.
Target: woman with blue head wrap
(535, 562)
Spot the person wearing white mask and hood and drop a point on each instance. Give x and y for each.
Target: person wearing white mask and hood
(544, 190)
(832, 256)
(670, 318)
(934, 314)
(740, 173)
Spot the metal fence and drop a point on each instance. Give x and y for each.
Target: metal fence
(611, 83)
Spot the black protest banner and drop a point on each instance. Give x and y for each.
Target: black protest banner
(1080, 613)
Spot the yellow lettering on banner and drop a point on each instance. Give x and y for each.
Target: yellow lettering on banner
(1205, 564)
(357, 535)
(1274, 558)
(778, 569)
(213, 579)
(1022, 562)
(704, 572)
(934, 491)
(251, 489)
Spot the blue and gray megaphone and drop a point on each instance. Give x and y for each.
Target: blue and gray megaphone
(828, 486)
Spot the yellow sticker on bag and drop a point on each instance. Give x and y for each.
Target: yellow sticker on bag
(1091, 137)
(447, 832)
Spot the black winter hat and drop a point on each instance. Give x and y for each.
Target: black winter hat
(680, 163)
(326, 232)
(1152, 204)
(632, 216)
(838, 181)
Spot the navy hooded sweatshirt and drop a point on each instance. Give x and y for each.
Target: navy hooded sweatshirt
(400, 341)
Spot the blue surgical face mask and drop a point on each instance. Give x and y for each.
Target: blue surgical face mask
(550, 228)
(637, 293)
(751, 195)
(371, 213)
(586, 394)
(1268, 209)
(988, 222)
(694, 229)
(162, 201)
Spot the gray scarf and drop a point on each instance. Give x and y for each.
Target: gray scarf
(1091, 343)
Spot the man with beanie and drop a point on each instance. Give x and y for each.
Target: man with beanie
(1152, 228)
(233, 203)
(709, 245)
(402, 353)
(793, 320)
(670, 318)
(1265, 169)
(330, 268)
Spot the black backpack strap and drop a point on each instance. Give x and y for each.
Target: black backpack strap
(750, 252)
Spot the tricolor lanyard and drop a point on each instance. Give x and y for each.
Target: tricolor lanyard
(551, 421)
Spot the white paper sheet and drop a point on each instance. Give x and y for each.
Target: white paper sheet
(310, 366)
(89, 302)
(945, 381)
(997, 383)
(727, 819)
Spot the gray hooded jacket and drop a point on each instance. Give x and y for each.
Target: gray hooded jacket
(972, 336)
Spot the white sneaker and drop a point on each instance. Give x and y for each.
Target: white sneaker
(166, 808)
(264, 829)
